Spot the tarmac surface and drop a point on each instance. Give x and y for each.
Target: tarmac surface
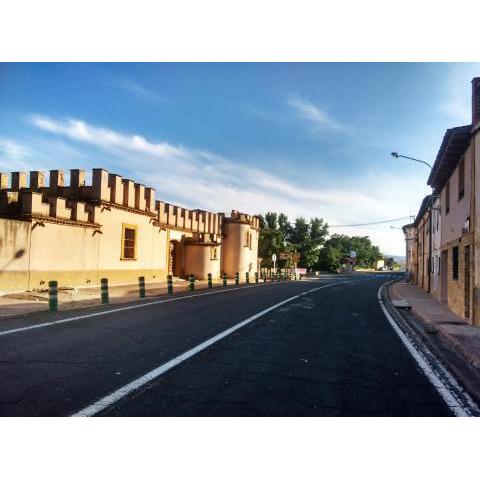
(328, 352)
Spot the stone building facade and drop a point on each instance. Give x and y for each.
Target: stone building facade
(114, 228)
(454, 273)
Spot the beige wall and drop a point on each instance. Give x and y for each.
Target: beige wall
(68, 254)
(454, 221)
(199, 261)
(14, 254)
(80, 256)
(151, 252)
(476, 280)
(237, 257)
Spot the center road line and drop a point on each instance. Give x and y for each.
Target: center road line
(130, 307)
(117, 395)
(443, 382)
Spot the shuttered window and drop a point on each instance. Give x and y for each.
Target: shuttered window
(455, 263)
(461, 180)
(129, 242)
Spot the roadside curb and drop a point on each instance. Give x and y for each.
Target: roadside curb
(457, 382)
(450, 339)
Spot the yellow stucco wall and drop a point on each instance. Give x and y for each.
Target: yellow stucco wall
(14, 254)
(237, 257)
(79, 256)
(199, 261)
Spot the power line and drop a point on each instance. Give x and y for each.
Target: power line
(371, 223)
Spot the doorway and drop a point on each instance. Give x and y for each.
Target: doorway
(173, 258)
(466, 281)
(444, 277)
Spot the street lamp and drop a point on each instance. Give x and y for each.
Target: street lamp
(397, 155)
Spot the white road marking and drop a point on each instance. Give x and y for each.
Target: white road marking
(446, 388)
(117, 395)
(130, 307)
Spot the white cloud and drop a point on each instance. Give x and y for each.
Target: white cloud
(318, 118)
(136, 89)
(201, 179)
(14, 155)
(457, 100)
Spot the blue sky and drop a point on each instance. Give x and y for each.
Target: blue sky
(307, 139)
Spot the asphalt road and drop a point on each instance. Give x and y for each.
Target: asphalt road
(329, 352)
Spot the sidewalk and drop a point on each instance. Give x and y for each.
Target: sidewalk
(464, 338)
(70, 298)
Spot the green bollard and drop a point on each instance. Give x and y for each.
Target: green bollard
(210, 280)
(236, 279)
(247, 277)
(192, 282)
(271, 276)
(141, 286)
(224, 276)
(170, 284)
(53, 296)
(256, 277)
(104, 290)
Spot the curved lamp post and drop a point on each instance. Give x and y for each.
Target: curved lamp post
(397, 155)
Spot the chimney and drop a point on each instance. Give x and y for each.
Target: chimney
(475, 101)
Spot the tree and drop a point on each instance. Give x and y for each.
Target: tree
(338, 247)
(271, 239)
(278, 235)
(308, 238)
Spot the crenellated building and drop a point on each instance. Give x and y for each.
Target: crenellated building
(114, 228)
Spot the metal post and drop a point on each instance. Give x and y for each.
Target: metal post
(192, 282)
(53, 296)
(236, 279)
(104, 289)
(170, 284)
(247, 277)
(256, 277)
(209, 280)
(224, 279)
(264, 276)
(141, 286)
